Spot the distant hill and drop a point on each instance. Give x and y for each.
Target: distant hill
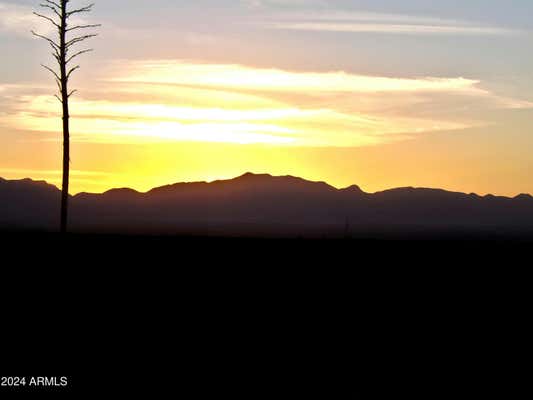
(267, 205)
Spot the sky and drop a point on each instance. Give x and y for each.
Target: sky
(379, 93)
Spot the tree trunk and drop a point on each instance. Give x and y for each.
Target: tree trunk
(61, 49)
(66, 131)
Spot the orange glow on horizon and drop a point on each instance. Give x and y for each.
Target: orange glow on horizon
(149, 124)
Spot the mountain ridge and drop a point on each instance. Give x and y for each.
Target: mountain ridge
(257, 176)
(266, 205)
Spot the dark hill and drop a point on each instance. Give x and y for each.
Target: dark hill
(268, 205)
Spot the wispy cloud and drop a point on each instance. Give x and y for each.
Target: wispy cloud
(39, 172)
(238, 76)
(283, 3)
(154, 101)
(19, 20)
(366, 22)
(391, 28)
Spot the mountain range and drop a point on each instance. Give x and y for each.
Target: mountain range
(265, 205)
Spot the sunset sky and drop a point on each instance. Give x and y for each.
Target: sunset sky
(379, 93)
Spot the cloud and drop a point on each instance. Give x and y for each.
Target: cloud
(282, 3)
(391, 28)
(161, 100)
(238, 76)
(367, 22)
(19, 20)
(37, 172)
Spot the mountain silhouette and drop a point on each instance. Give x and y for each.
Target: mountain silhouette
(265, 205)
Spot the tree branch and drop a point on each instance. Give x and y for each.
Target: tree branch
(52, 43)
(48, 19)
(71, 71)
(56, 54)
(83, 27)
(52, 71)
(55, 10)
(80, 10)
(53, 3)
(78, 54)
(60, 51)
(79, 39)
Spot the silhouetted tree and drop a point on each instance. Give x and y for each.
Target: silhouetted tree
(64, 53)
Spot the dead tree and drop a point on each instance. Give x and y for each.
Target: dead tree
(64, 52)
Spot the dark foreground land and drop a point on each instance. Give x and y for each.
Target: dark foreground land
(252, 318)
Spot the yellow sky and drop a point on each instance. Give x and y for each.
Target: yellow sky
(380, 94)
(150, 123)
(160, 100)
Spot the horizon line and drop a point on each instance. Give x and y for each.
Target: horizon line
(256, 174)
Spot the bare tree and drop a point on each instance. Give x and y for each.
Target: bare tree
(64, 52)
